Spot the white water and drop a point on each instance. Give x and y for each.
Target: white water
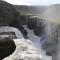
(36, 42)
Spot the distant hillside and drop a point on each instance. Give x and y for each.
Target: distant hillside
(35, 10)
(52, 14)
(7, 13)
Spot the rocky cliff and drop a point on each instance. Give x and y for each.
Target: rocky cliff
(7, 13)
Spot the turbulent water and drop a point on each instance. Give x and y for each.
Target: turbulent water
(28, 49)
(36, 42)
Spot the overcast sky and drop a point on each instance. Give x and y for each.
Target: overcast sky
(33, 2)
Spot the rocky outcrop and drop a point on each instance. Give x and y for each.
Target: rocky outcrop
(32, 22)
(7, 47)
(7, 13)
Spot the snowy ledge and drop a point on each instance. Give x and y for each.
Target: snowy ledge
(24, 51)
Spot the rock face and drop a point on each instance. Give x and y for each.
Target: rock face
(24, 51)
(7, 13)
(7, 47)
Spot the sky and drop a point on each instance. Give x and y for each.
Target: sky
(33, 2)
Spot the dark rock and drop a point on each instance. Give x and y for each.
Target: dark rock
(7, 13)
(32, 23)
(7, 47)
(39, 29)
(10, 35)
(36, 32)
(48, 54)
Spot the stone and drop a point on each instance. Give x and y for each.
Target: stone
(32, 22)
(7, 47)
